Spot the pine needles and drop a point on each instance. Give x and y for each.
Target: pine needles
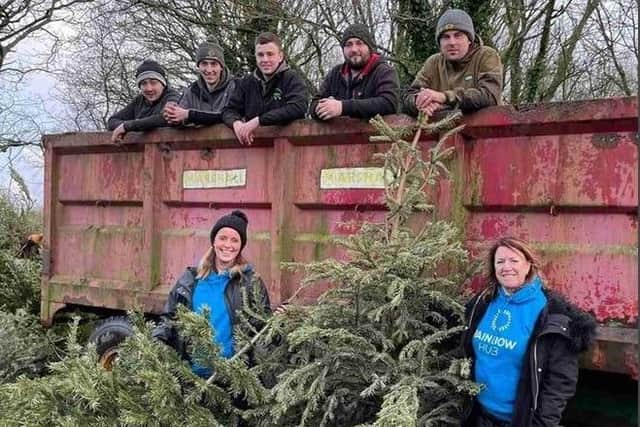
(379, 348)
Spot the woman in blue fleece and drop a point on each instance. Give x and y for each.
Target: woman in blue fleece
(524, 341)
(218, 284)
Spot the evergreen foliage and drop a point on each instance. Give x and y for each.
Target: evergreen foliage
(18, 219)
(380, 347)
(149, 385)
(25, 348)
(19, 283)
(19, 278)
(257, 16)
(416, 33)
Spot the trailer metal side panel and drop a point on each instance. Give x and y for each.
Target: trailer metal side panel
(123, 221)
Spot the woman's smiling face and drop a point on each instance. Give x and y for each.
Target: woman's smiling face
(511, 267)
(227, 247)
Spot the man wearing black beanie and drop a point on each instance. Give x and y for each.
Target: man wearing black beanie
(363, 86)
(144, 112)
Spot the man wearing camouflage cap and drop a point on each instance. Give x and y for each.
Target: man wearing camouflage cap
(363, 86)
(202, 102)
(465, 74)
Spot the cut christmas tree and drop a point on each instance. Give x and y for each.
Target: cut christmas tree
(381, 346)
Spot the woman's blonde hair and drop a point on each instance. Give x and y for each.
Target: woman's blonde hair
(208, 263)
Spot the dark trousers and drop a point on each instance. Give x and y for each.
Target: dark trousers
(485, 419)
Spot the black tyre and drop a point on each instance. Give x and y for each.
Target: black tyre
(108, 336)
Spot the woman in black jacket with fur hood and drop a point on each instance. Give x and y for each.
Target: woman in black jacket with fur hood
(524, 341)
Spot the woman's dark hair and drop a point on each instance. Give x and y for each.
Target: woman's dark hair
(512, 243)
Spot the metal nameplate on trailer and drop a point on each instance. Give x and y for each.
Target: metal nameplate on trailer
(336, 178)
(214, 178)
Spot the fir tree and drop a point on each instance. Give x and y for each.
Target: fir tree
(380, 347)
(25, 347)
(149, 385)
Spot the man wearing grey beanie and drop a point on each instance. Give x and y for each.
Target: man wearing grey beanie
(465, 74)
(202, 102)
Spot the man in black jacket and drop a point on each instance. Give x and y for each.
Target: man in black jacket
(363, 86)
(144, 112)
(273, 95)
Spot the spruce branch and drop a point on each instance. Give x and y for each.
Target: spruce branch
(267, 327)
(404, 164)
(378, 347)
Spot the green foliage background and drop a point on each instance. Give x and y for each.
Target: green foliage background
(19, 278)
(25, 347)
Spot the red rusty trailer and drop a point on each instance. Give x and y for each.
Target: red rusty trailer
(122, 221)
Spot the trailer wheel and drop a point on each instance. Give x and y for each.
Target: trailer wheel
(108, 336)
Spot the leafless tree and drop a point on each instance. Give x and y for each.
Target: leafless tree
(19, 124)
(22, 119)
(617, 52)
(22, 19)
(96, 72)
(538, 43)
(551, 49)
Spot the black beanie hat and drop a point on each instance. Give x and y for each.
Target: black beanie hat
(236, 220)
(150, 69)
(358, 31)
(210, 49)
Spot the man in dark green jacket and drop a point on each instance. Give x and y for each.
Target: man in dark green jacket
(465, 74)
(144, 112)
(363, 86)
(273, 95)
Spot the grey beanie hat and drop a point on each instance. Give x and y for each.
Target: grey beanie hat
(210, 49)
(150, 69)
(455, 19)
(358, 31)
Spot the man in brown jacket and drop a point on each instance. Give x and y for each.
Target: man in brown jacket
(465, 74)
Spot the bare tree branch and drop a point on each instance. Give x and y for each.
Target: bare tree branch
(24, 18)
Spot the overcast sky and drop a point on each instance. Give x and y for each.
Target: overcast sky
(34, 96)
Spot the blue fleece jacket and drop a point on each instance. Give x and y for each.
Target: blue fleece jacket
(500, 343)
(209, 292)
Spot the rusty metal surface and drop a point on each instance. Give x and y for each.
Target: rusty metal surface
(120, 225)
(581, 117)
(555, 170)
(615, 351)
